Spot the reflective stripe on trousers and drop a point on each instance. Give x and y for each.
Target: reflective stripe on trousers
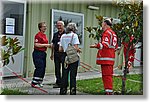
(108, 90)
(109, 59)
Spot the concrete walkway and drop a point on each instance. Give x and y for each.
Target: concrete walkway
(16, 83)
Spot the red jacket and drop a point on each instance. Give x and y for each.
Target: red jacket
(42, 39)
(107, 46)
(131, 51)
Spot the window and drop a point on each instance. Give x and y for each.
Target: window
(12, 21)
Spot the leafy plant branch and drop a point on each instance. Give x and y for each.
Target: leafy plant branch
(10, 47)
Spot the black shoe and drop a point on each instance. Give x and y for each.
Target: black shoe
(56, 86)
(73, 91)
(63, 91)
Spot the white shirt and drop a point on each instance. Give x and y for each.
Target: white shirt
(66, 39)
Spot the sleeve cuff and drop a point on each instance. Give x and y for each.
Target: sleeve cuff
(99, 46)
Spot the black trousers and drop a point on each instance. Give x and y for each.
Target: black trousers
(59, 62)
(72, 68)
(39, 60)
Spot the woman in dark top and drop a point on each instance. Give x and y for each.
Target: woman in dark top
(39, 55)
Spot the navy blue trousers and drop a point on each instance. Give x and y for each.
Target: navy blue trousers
(59, 58)
(39, 60)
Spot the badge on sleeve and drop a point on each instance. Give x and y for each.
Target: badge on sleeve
(106, 39)
(36, 40)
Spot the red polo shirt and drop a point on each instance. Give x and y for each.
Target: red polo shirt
(42, 39)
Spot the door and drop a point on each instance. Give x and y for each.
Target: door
(13, 25)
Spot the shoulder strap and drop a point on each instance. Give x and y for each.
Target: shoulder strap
(71, 39)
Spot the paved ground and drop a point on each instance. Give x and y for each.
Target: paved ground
(16, 83)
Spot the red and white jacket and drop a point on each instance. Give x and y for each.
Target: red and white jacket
(107, 46)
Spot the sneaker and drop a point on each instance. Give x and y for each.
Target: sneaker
(108, 93)
(56, 86)
(37, 85)
(41, 85)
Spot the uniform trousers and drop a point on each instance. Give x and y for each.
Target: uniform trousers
(107, 77)
(39, 60)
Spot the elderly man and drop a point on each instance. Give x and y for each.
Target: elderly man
(58, 56)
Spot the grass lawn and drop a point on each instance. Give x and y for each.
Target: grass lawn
(134, 85)
(13, 92)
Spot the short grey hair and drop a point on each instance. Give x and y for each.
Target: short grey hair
(71, 27)
(61, 22)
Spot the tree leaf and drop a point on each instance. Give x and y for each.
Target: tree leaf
(4, 41)
(16, 50)
(6, 62)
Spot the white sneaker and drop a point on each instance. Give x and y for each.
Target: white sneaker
(37, 85)
(41, 85)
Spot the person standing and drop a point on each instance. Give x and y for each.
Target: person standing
(69, 37)
(39, 55)
(56, 55)
(106, 55)
(131, 52)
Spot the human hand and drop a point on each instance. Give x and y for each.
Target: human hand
(93, 46)
(79, 50)
(118, 52)
(48, 45)
(52, 57)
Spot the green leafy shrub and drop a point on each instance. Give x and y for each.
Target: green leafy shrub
(10, 47)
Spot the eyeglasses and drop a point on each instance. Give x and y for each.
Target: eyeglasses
(44, 26)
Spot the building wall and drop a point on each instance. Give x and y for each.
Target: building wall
(37, 12)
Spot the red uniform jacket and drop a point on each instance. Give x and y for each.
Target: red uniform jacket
(131, 52)
(42, 39)
(107, 46)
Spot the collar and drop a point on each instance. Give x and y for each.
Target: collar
(40, 32)
(61, 33)
(107, 29)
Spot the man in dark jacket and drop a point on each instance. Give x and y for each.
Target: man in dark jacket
(56, 55)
